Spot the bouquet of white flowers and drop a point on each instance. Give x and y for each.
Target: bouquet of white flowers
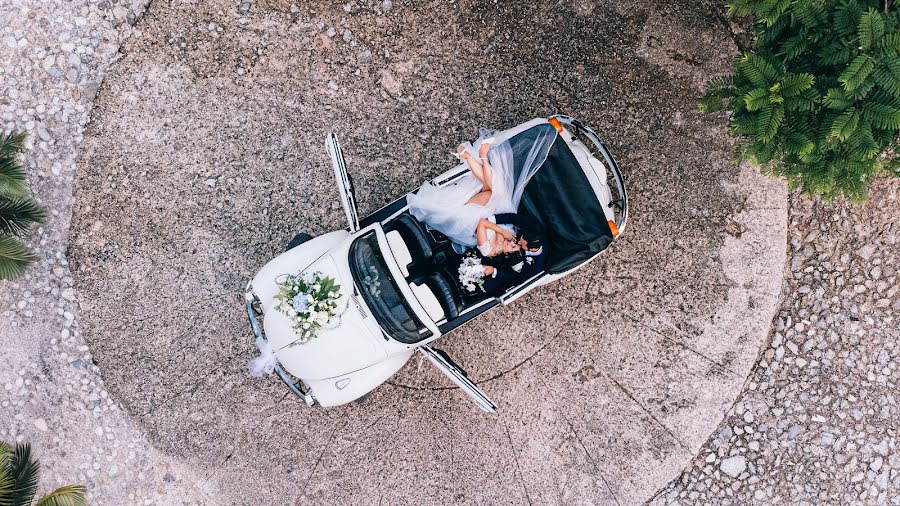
(471, 273)
(308, 301)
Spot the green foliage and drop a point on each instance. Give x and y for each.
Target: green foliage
(18, 211)
(817, 99)
(19, 474)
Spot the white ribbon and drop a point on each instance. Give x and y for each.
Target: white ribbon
(266, 361)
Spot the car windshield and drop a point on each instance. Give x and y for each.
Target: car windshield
(381, 293)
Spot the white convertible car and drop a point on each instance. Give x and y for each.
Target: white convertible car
(398, 278)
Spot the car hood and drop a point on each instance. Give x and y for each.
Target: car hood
(337, 349)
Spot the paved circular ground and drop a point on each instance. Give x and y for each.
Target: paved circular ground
(205, 156)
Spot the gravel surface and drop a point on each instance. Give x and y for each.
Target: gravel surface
(818, 421)
(53, 56)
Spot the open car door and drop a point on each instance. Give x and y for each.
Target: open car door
(345, 184)
(458, 376)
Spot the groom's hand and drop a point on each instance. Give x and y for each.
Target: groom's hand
(489, 270)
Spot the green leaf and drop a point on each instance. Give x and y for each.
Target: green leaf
(757, 69)
(756, 99)
(14, 258)
(846, 17)
(835, 53)
(799, 143)
(863, 142)
(882, 116)
(844, 124)
(809, 14)
(770, 10)
(770, 119)
(890, 43)
(794, 84)
(68, 495)
(17, 215)
(870, 29)
(805, 101)
(857, 72)
(742, 7)
(887, 75)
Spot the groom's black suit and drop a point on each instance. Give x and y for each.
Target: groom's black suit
(526, 224)
(503, 278)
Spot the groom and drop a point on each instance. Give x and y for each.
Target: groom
(531, 240)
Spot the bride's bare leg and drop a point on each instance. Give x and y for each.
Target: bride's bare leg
(481, 198)
(487, 170)
(476, 167)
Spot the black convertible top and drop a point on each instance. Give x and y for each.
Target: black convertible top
(560, 197)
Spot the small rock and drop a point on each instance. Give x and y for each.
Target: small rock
(734, 466)
(41, 424)
(876, 464)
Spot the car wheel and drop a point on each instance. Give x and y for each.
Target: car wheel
(298, 240)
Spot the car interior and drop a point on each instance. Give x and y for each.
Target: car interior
(559, 196)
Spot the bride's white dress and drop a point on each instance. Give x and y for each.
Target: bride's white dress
(445, 208)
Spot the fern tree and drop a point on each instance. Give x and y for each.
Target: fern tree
(817, 99)
(18, 211)
(19, 474)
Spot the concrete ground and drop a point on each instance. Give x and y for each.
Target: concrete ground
(204, 156)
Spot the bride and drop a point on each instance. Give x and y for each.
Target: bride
(464, 210)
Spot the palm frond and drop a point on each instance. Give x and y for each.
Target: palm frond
(25, 471)
(7, 481)
(11, 144)
(14, 258)
(18, 215)
(12, 175)
(68, 495)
